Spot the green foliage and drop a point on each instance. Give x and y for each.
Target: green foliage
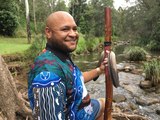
(37, 46)
(21, 29)
(152, 71)
(87, 45)
(89, 15)
(60, 6)
(154, 45)
(8, 23)
(42, 9)
(115, 38)
(92, 44)
(135, 53)
(20, 32)
(86, 22)
(77, 8)
(96, 16)
(8, 17)
(83, 26)
(9, 5)
(141, 22)
(81, 47)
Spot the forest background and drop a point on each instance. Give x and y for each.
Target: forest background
(138, 24)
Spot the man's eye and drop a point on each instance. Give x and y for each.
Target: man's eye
(65, 29)
(75, 29)
(68, 29)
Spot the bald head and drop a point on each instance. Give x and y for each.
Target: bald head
(61, 31)
(56, 17)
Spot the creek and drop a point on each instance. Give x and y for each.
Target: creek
(129, 97)
(133, 98)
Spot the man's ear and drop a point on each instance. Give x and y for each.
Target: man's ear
(48, 32)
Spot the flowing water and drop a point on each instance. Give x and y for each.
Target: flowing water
(146, 103)
(139, 101)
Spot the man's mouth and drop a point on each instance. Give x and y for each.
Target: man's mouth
(71, 40)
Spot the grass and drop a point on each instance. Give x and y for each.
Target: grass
(13, 45)
(152, 71)
(135, 53)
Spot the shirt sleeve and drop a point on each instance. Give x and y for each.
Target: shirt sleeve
(49, 97)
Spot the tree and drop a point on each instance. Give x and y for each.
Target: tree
(11, 100)
(34, 17)
(60, 5)
(77, 8)
(94, 14)
(8, 5)
(28, 22)
(8, 17)
(8, 23)
(142, 22)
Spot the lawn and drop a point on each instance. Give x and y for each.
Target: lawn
(13, 45)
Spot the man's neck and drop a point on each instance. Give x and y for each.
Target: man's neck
(60, 54)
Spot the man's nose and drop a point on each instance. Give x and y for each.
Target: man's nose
(73, 33)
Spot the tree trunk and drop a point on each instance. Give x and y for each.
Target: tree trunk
(34, 15)
(7, 96)
(10, 100)
(28, 22)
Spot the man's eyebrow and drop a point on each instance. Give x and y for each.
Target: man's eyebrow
(67, 26)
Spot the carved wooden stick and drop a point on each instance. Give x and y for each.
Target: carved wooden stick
(107, 48)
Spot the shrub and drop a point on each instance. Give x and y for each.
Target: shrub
(135, 53)
(154, 45)
(81, 47)
(37, 46)
(152, 71)
(8, 23)
(92, 44)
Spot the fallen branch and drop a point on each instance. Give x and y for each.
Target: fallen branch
(125, 116)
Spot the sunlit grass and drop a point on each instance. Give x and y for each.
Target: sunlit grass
(13, 45)
(152, 71)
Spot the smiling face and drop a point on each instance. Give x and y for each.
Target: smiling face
(61, 32)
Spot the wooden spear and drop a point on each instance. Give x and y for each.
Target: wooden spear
(108, 81)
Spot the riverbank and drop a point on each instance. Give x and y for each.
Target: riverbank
(129, 98)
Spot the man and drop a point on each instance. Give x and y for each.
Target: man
(56, 86)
